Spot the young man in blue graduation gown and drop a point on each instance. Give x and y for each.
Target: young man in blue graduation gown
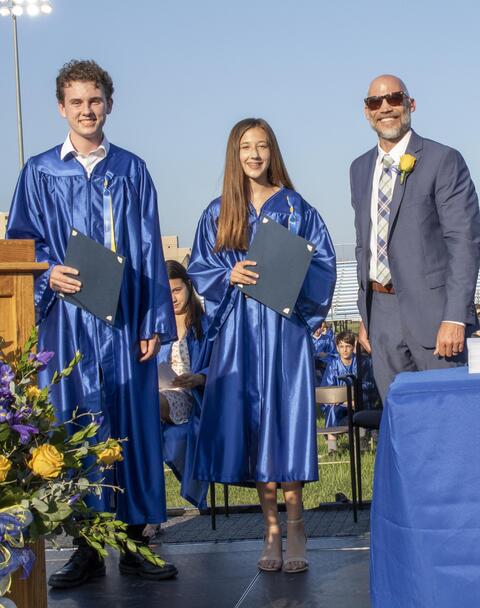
(106, 193)
(343, 363)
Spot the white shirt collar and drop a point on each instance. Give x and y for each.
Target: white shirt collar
(398, 149)
(100, 152)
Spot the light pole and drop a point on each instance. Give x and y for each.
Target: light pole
(14, 9)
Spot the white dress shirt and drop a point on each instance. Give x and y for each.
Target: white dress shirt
(88, 161)
(396, 152)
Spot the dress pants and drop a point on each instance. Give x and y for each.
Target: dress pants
(394, 348)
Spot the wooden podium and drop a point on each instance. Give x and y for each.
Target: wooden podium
(17, 317)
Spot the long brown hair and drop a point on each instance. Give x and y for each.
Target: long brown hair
(193, 306)
(232, 222)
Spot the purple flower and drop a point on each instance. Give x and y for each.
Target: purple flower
(25, 431)
(44, 357)
(3, 415)
(6, 374)
(41, 359)
(73, 499)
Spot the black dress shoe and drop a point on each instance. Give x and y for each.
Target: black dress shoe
(84, 564)
(135, 564)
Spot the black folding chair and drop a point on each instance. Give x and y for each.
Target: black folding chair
(361, 417)
(213, 503)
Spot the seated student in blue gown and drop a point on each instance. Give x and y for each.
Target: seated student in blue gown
(343, 363)
(323, 348)
(258, 412)
(180, 403)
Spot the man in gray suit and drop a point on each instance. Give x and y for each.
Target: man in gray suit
(418, 242)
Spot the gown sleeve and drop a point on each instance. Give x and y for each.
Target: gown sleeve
(210, 273)
(26, 221)
(156, 314)
(316, 294)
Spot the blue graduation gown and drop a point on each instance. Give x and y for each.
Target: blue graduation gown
(335, 414)
(323, 350)
(258, 411)
(179, 440)
(53, 195)
(324, 345)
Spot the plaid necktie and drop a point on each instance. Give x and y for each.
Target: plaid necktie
(384, 199)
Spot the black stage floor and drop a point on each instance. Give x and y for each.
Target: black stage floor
(224, 575)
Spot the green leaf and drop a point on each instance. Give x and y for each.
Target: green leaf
(59, 435)
(4, 432)
(40, 505)
(131, 546)
(83, 484)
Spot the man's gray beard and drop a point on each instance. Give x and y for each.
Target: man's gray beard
(394, 133)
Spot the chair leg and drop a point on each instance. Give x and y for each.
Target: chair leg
(213, 507)
(225, 499)
(351, 450)
(358, 465)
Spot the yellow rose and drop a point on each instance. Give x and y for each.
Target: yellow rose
(33, 393)
(407, 162)
(111, 454)
(46, 461)
(5, 466)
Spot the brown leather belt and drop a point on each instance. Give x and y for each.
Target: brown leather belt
(382, 288)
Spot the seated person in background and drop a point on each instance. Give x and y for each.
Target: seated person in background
(180, 403)
(341, 364)
(323, 349)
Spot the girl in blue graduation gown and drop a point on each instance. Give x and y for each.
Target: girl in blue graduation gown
(258, 412)
(180, 405)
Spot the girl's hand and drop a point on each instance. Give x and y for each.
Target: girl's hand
(243, 276)
(188, 380)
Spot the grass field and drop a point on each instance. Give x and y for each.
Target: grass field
(334, 473)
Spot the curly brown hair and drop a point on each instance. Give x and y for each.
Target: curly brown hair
(83, 71)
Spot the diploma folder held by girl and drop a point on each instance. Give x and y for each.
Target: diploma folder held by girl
(283, 259)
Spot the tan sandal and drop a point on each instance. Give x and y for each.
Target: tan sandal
(269, 564)
(303, 561)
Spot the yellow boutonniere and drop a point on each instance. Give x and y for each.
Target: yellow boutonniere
(406, 165)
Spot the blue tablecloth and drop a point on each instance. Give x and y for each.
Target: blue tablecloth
(425, 519)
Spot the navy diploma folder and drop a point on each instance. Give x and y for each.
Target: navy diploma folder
(283, 259)
(100, 272)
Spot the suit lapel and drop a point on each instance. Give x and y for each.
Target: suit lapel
(414, 147)
(367, 202)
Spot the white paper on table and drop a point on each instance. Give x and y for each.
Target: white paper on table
(166, 375)
(473, 346)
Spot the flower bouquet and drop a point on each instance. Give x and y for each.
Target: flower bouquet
(46, 468)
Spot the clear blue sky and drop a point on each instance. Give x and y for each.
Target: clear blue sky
(186, 71)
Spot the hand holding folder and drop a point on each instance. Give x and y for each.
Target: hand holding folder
(100, 272)
(282, 261)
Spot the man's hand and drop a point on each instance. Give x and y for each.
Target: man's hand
(60, 281)
(363, 338)
(188, 380)
(450, 339)
(243, 276)
(149, 348)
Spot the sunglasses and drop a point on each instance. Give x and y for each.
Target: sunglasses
(393, 99)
